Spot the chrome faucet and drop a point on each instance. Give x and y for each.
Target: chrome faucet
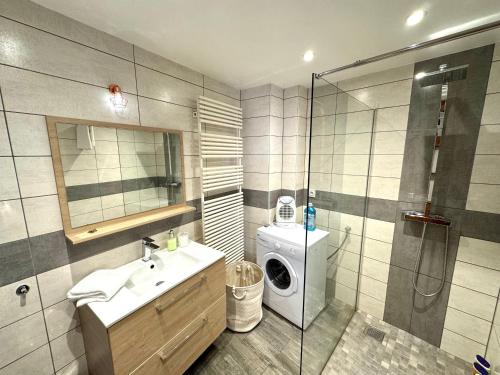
(148, 247)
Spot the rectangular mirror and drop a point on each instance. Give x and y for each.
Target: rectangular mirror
(110, 171)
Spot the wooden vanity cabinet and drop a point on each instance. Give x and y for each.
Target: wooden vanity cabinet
(163, 337)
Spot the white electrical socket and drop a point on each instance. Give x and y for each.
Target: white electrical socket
(312, 193)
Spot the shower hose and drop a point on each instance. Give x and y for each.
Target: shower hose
(419, 259)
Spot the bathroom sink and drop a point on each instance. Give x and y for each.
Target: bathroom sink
(164, 267)
(149, 280)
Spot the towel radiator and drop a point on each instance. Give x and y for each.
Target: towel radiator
(221, 153)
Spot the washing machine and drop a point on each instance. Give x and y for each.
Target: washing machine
(281, 253)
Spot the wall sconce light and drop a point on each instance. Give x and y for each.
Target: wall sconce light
(117, 99)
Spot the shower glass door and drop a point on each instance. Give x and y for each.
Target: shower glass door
(339, 139)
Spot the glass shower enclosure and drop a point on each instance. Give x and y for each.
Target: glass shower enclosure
(338, 150)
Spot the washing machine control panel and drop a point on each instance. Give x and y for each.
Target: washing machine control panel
(272, 244)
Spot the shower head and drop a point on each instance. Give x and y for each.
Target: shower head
(443, 75)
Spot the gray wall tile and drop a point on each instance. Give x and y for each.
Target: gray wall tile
(15, 261)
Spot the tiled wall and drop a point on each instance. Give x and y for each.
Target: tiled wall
(493, 348)
(476, 277)
(392, 154)
(262, 162)
(52, 65)
(358, 137)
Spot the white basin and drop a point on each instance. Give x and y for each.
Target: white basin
(149, 280)
(163, 267)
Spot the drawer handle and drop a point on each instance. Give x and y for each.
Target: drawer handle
(165, 356)
(162, 306)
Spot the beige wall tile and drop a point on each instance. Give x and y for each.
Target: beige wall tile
(375, 269)
(347, 184)
(485, 198)
(467, 325)
(28, 130)
(377, 250)
(485, 169)
(325, 106)
(355, 122)
(383, 188)
(479, 252)
(156, 62)
(21, 337)
(30, 92)
(220, 87)
(67, 348)
(61, 318)
(477, 278)
(35, 176)
(160, 86)
(77, 367)
(351, 164)
(352, 144)
(491, 110)
(488, 142)
(166, 115)
(392, 118)
(221, 97)
(386, 95)
(379, 230)
(386, 165)
(348, 260)
(378, 78)
(472, 302)
(339, 220)
(14, 307)
(12, 226)
(460, 346)
(4, 138)
(371, 305)
(46, 53)
(38, 362)
(35, 15)
(345, 294)
(43, 215)
(8, 187)
(389, 143)
(347, 277)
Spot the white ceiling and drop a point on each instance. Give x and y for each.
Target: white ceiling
(248, 43)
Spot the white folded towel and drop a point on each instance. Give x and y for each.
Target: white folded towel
(100, 285)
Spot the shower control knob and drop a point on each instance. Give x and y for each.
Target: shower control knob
(22, 290)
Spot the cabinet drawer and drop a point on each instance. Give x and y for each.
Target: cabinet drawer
(178, 354)
(140, 335)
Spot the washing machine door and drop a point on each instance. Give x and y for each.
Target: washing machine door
(280, 275)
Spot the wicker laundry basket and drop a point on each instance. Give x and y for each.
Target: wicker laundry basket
(244, 288)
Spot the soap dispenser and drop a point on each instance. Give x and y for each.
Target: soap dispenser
(172, 241)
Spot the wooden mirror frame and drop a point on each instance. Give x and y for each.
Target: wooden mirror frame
(104, 228)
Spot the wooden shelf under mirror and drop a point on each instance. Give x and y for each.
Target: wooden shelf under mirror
(91, 232)
(113, 177)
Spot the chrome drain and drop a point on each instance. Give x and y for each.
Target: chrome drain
(375, 333)
(158, 283)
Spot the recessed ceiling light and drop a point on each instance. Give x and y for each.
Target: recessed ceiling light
(308, 56)
(416, 17)
(420, 75)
